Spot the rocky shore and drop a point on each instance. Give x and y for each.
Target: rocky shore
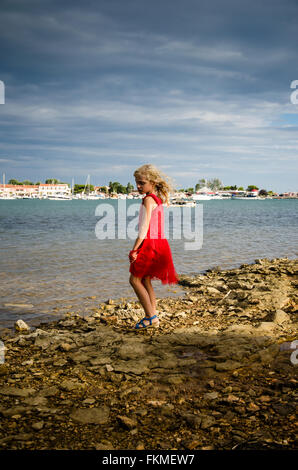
(219, 373)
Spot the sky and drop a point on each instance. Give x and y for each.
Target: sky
(201, 89)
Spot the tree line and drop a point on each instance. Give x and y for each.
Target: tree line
(115, 187)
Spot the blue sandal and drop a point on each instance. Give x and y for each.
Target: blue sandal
(155, 325)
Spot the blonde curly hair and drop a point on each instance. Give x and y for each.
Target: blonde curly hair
(163, 185)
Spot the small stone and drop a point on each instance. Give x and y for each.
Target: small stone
(66, 346)
(105, 445)
(227, 365)
(3, 370)
(38, 426)
(69, 385)
(281, 317)
(20, 325)
(253, 407)
(89, 401)
(207, 422)
(126, 422)
(211, 396)
(140, 446)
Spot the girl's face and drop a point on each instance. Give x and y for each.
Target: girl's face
(144, 186)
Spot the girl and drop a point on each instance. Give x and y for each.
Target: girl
(151, 256)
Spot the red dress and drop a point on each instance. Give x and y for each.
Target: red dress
(154, 257)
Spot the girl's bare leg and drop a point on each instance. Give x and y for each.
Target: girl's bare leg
(146, 281)
(143, 296)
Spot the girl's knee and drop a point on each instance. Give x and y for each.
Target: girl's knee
(134, 280)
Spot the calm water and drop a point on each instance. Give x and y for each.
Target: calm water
(52, 260)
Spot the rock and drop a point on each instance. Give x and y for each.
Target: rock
(38, 425)
(79, 357)
(18, 305)
(66, 346)
(36, 401)
(227, 365)
(280, 317)
(193, 420)
(213, 291)
(20, 325)
(131, 350)
(105, 445)
(69, 385)
(89, 401)
(16, 410)
(240, 329)
(128, 423)
(207, 422)
(211, 396)
(267, 355)
(133, 367)
(266, 327)
(16, 392)
(3, 370)
(48, 391)
(91, 415)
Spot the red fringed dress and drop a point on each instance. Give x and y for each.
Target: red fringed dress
(154, 257)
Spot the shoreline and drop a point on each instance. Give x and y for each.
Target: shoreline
(217, 373)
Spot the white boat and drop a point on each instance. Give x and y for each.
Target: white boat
(181, 203)
(6, 197)
(201, 197)
(59, 198)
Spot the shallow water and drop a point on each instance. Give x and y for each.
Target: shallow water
(52, 260)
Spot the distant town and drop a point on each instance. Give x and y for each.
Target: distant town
(203, 190)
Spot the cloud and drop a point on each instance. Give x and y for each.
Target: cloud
(200, 85)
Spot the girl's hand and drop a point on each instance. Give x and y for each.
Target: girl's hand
(133, 255)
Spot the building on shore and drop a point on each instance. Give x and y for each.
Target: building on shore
(35, 191)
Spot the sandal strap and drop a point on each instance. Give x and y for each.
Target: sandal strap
(146, 318)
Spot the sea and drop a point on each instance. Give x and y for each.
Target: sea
(71, 256)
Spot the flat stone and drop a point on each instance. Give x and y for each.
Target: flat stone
(36, 401)
(128, 423)
(16, 410)
(211, 396)
(16, 392)
(48, 391)
(18, 305)
(70, 385)
(79, 357)
(133, 367)
(281, 317)
(91, 415)
(207, 422)
(38, 425)
(227, 365)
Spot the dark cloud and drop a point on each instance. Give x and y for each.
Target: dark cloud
(106, 85)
